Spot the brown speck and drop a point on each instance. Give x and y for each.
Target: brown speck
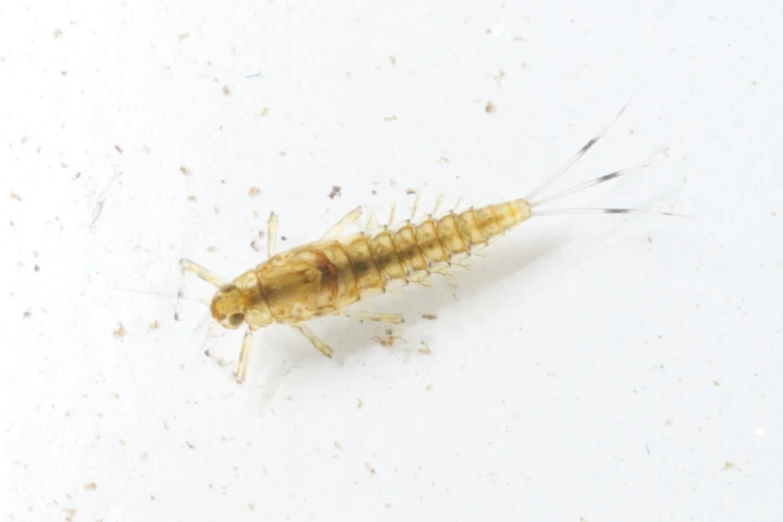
(730, 466)
(183, 36)
(393, 117)
(370, 468)
(226, 90)
(386, 341)
(410, 191)
(69, 514)
(57, 33)
(184, 170)
(253, 192)
(90, 486)
(431, 317)
(118, 149)
(424, 349)
(490, 107)
(392, 60)
(265, 111)
(359, 404)
(499, 76)
(120, 331)
(16, 196)
(192, 198)
(336, 191)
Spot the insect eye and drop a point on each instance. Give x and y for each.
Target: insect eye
(236, 319)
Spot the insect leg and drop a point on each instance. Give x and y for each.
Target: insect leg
(244, 356)
(315, 340)
(271, 235)
(350, 218)
(375, 316)
(201, 272)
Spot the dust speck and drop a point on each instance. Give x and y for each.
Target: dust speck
(265, 111)
(490, 107)
(359, 404)
(370, 468)
(90, 486)
(393, 117)
(392, 60)
(120, 331)
(183, 36)
(57, 33)
(336, 192)
(430, 317)
(424, 349)
(387, 341)
(184, 170)
(253, 192)
(226, 90)
(16, 196)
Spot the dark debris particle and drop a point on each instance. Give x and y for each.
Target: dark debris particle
(336, 192)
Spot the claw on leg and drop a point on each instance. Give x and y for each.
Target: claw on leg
(315, 340)
(375, 316)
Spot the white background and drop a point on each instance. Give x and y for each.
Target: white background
(589, 368)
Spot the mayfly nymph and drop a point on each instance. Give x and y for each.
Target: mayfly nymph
(327, 276)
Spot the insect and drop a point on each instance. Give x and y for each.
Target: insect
(326, 276)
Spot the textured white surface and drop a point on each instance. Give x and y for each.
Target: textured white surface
(589, 368)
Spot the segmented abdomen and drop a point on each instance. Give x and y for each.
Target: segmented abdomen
(413, 251)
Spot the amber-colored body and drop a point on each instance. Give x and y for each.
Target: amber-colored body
(324, 277)
(327, 276)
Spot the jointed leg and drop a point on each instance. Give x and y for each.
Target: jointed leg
(315, 340)
(350, 218)
(375, 316)
(244, 356)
